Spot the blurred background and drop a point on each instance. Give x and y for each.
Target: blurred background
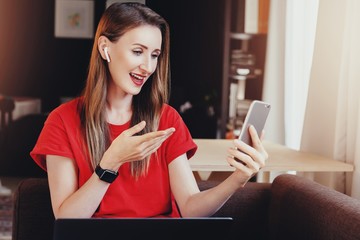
(36, 63)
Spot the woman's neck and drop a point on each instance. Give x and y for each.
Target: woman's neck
(118, 108)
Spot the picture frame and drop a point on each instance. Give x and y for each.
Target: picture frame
(74, 19)
(109, 2)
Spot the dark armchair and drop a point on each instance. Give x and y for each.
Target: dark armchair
(292, 207)
(33, 217)
(16, 141)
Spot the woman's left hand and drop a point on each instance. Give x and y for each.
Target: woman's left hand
(247, 160)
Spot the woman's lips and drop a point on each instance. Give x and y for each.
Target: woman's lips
(138, 80)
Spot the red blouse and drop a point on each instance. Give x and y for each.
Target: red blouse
(148, 196)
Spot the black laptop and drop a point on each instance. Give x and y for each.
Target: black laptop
(143, 228)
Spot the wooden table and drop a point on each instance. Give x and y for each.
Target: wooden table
(211, 157)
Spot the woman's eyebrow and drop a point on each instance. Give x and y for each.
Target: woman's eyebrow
(143, 46)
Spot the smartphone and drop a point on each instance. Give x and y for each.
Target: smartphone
(256, 116)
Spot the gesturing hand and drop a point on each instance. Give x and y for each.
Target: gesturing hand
(127, 147)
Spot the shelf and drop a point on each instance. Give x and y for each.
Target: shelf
(240, 36)
(245, 36)
(242, 78)
(243, 59)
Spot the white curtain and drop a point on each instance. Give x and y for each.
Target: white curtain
(274, 74)
(300, 29)
(291, 35)
(292, 25)
(332, 119)
(312, 80)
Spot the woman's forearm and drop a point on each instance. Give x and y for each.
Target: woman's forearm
(84, 202)
(208, 202)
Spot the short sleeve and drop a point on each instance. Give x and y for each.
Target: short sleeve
(53, 139)
(180, 141)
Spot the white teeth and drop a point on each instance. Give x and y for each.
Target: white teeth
(136, 76)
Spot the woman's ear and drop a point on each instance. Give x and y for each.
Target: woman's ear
(103, 48)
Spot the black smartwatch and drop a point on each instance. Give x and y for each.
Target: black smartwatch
(105, 174)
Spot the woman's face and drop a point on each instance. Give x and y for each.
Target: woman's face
(134, 58)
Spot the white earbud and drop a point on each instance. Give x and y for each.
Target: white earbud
(106, 54)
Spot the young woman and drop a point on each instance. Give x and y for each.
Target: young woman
(120, 150)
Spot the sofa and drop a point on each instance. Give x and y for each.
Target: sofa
(291, 207)
(16, 141)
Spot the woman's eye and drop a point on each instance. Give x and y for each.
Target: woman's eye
(137, 52)
(154, 56)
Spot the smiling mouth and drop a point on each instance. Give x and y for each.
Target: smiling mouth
(138, 80)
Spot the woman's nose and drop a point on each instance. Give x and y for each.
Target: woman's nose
(146, 66)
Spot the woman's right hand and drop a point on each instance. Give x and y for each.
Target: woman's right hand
(127, 147)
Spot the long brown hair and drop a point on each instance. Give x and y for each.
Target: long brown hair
(116, 21)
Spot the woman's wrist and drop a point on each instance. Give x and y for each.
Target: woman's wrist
(107, 162)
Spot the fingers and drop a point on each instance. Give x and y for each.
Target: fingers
(135, 129)
(148, 136)
(155, 139)
(262, 136)
(254, 137)
(238, 157)
(148, 143)
(151, 148)
(248, 158)
(257, 142)
(161, 133)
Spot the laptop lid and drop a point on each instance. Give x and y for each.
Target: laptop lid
(142, 228)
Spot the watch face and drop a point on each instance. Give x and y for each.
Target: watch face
(108, 176)
(105, 174)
